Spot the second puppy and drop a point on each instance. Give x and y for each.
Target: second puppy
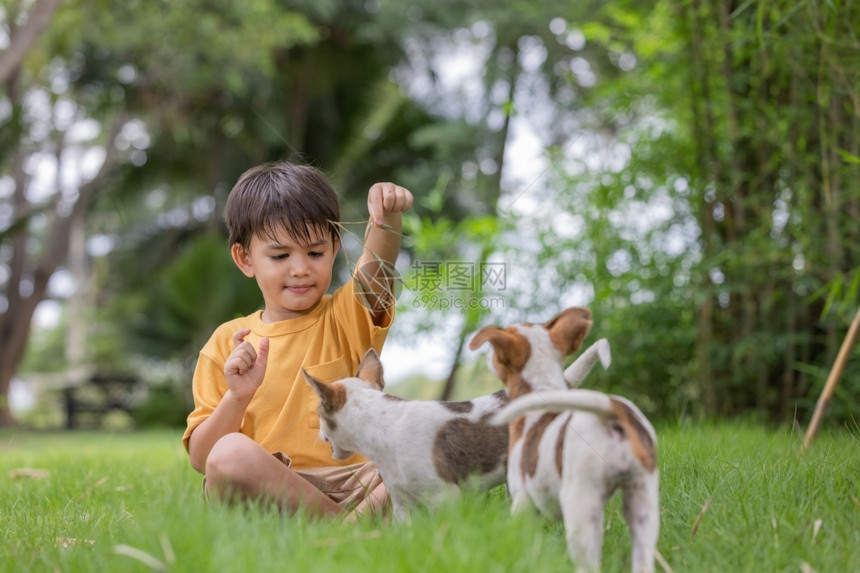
(572, 449)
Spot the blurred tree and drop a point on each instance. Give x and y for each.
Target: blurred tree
(713, 218)
(22, 37)
(202, 91)
(695, 188)
(71, 115)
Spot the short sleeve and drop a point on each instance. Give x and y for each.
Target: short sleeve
(208, 388)
(356, 320)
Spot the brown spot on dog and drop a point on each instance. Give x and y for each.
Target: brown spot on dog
(559, 446)
(641, 443)
(336, 400)
(532, 439)
(462, 448)
(393, 398)
(516, 431)
(516, 385)
(459, 407)
(502, 396)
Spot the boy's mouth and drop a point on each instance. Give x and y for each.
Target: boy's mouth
(299, 289)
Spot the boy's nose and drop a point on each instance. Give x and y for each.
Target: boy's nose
(299, 267)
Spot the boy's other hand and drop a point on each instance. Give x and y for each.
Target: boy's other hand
(245, 367)
(387, 198)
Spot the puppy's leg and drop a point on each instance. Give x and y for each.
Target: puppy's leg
(642, 513)
(446, 492)
(520, 501)
(400, 506)
(582, 505)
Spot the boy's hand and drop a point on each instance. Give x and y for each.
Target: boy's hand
(245, 367)
(387, 198)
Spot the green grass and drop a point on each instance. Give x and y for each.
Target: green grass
(115, 493)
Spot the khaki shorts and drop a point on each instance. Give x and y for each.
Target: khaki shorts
(353, 487)
(345, 485)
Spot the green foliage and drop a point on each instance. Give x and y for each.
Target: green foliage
(698, 229)
(699, 196)
(184, 303)
(451, 273)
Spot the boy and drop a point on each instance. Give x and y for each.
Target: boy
(254, 432)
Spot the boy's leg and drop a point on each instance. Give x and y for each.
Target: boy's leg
(357, 488)
(373, 504)
(238, 467)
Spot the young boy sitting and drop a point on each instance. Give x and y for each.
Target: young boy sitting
(254, 431)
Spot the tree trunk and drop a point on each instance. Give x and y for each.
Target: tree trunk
(16, 320)
(448, 389)
(24, 37)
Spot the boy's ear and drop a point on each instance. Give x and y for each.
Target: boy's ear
(242, 258)
(370, 369)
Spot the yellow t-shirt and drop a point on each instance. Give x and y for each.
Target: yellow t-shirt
(328, 342)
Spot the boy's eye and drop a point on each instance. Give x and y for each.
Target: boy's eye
(316, 254)
(280, 257)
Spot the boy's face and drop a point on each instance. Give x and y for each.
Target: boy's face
(293, 277)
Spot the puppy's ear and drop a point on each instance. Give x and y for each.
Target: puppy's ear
(330, 398)
(370, 369)
(568, 329)
(483, 336)
(511, 347)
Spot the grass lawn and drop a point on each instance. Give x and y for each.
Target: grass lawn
(734, 497)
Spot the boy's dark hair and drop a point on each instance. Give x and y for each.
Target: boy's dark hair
(281, 196)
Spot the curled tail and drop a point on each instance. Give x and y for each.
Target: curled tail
(576, 372)
(597, 403)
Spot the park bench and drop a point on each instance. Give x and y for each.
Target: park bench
(87, 403)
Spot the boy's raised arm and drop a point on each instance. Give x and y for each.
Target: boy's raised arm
(386, 203)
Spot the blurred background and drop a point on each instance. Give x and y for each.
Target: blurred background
(688, 170)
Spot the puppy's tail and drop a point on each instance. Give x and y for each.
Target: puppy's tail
(597, 403)
(576, 372)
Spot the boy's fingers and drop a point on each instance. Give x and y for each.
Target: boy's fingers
(375, 203)
(387, 198)
(239, 363)
(263, 351)
(404, 200)
(240, 335)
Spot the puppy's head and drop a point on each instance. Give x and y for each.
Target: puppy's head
(526, 354)
(334, 398)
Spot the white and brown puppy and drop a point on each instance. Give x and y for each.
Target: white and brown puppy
(570, 450)
(423, 449)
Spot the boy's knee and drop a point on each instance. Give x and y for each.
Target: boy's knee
(227, 459)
